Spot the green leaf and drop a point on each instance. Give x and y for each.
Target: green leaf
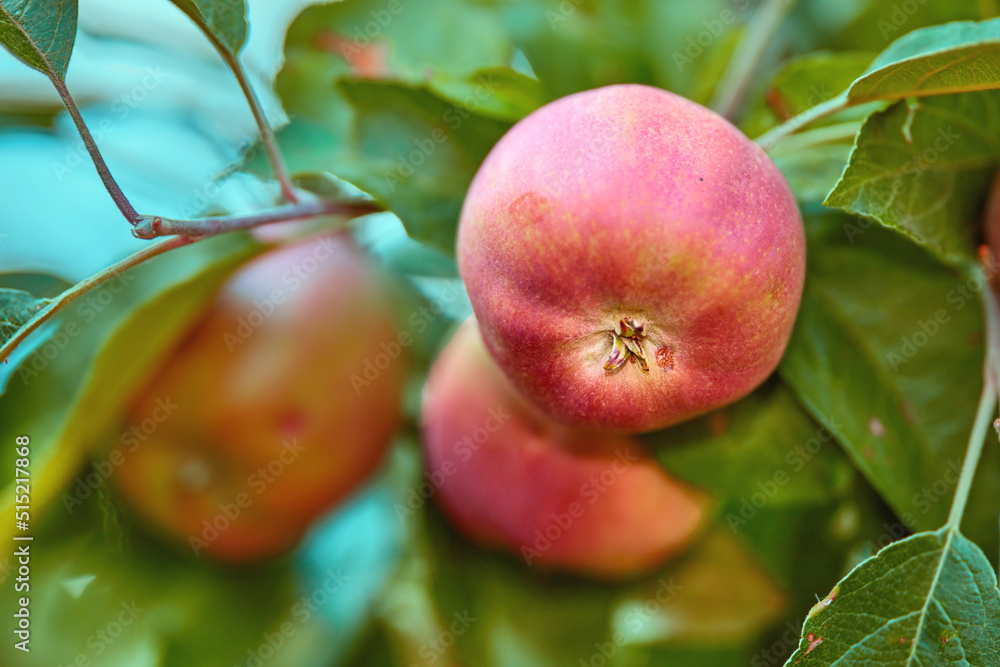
(873, 23)
(369, 85)
(754, 448)
(415, 153)
(223, 21)
(40, 33)
(73, 388)
(928, 600)
(99, 561)
(509, 95)
(813, 161)
(952, 58)
(394, 40)
(702, 614)
(922, 169)
(679, 46)
(17, 307)
(409, 149)
(802, 83)
(530, 618)
(887, 353)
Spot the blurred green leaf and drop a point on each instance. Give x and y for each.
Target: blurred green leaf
(930, 599)
(509, 95)
(43, 284)
(75, 386)
(223, 21)
(923, 168)
(764, 446)
(887, 354)
(951, 58)
(399, 40)
(417, 154)
(814, 161)
(876, 22)
(40, 33)
(411, 150)
(679, 46)
(691, 607)
(802, 83)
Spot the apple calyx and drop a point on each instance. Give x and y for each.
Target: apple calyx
(627, 346)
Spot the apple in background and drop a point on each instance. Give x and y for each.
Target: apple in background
(277, 405)
(633, 260)
(992, 232)
(507, 476)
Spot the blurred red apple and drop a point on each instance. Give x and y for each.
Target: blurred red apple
(632, 258)
(507, 476)
(284, 400)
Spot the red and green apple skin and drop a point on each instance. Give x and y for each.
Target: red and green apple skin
(509, 477)
(633, 259)
(271, 408)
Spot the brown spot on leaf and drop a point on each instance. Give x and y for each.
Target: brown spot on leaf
(813, 641)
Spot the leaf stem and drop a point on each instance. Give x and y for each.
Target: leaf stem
(984, 414)
(796, 123)
(95, 154)
(263, 126)
(152, 226)
(743, 64)
(85, 286)
(821, 135)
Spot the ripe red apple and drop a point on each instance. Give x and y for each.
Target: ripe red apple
(633, 260)
(265, 417)
(508, 476)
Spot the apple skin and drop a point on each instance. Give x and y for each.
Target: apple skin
(507, 476)
(631, 204)
(992, 233)
(274, 414)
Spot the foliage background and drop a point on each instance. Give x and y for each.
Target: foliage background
(863, 418)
